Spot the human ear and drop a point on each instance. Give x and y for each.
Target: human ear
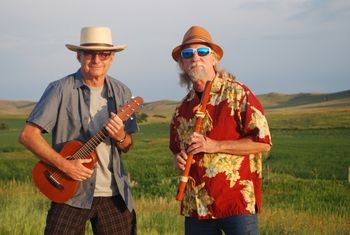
(215, 61)
(78, 57)
(113, 55)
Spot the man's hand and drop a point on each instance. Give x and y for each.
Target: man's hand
(76, 170)
(180, 160)
(115, 127)
(200, 144)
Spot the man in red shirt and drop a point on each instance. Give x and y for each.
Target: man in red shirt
(223, 192)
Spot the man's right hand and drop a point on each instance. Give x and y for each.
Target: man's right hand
(31, 137)
(76, 170)
(180, 160)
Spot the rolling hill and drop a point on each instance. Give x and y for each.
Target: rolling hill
(278, 100)
(10, 107)
(165, 108)
(270, 101)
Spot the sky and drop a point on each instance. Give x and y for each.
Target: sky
(284, 46)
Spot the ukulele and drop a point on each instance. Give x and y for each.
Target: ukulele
(56, 185)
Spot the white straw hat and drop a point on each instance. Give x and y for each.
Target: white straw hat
(96, 39)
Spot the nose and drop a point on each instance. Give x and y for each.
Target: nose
(196, 57)
(95, 58)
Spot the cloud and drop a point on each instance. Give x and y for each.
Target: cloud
(321, 11)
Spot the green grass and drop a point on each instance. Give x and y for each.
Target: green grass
(309, 118)
(311, 153)
(22, 209)
(16, 165)
(150, 163)
(318, 196)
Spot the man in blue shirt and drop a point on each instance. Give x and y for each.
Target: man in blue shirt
(76, 107)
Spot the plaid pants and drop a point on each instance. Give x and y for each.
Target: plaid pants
(108, 215)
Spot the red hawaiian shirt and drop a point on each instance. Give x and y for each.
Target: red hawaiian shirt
(222, 184)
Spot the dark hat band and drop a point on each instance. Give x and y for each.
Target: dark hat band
(203, 39)
(96, 44)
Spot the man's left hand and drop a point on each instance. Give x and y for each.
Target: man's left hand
(199, 143)
(115, 127)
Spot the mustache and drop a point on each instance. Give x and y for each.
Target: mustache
(196, 64)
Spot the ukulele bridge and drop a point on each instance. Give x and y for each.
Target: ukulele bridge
(53, 181)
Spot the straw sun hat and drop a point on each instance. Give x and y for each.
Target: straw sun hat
(96, 39)
(197, 34)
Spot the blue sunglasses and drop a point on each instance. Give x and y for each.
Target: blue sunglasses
(189, 52)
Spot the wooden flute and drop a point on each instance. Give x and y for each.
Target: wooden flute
(200, 114)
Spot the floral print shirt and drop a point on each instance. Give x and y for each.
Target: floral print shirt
(222, 184)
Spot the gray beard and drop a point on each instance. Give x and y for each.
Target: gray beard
(197, 73)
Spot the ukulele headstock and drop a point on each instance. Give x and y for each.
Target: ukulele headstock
(129, 108)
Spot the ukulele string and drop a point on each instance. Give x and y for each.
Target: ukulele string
(91, 144)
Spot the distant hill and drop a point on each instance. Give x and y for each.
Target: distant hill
(160, 109)
(10, 107)
(163, 109)
(269, 101)
(278, 100)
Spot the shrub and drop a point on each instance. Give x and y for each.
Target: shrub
(4, 126)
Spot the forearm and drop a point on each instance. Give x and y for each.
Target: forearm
(32, 139)
(239, 147)
(198, 143)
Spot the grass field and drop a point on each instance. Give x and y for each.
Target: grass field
(305, 187)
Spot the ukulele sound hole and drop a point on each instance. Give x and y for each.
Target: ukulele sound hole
(53, 181)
